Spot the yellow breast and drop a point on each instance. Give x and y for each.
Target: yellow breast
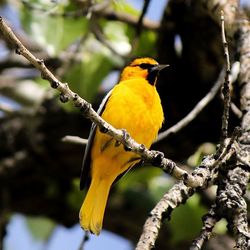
(134, 105)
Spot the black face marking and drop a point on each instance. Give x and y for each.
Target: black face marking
(146, 65)
(152, 71)
(152, 75)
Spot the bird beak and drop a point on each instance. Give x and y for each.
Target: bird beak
(159, 67)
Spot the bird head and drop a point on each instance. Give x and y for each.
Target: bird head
(145, 67)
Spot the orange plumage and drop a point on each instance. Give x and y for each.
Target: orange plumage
(133, 104)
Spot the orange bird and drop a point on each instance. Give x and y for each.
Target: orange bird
(134, 105)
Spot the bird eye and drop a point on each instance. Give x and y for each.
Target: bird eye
(146, 65)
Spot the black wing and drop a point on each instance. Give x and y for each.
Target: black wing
(85, 171)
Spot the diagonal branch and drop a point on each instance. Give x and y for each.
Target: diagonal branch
(129, 19)
(209, 221)
(74, 140)
(96, 29)
(66, 94)
(178, 194)
(99, 11)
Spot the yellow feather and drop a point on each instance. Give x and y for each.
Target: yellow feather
(134, 105)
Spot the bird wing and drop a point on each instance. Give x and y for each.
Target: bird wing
(85, 171)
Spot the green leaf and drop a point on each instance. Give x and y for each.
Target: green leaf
(55, 33)
(146, 45)
(125, 7)
(115, 33)
(40, 227)
(86, 76)
(220, 227)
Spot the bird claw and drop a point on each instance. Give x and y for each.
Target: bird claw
(157, 158)
(125, 138)
(117, 143)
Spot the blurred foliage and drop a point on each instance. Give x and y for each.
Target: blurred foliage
(186, 221)
(55, 33)
(125, 7)
(41, 228)
(86, 76)
(149, 180)
(74, 198)
(139, 176)
(204, 149)
(84, 72)
(44, 22)
(220, 227)
(145, 45)
(53, 26)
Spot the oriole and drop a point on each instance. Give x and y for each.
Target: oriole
(133, 104)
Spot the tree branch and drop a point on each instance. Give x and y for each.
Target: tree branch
(233, 180)
(74, 140)
(178, 194)
(66, 94)
(230, 8)
(126, 18)
(84, 240)
(101, 12)
(96, 29)
(225, 89)
(139, 25)
(231, 204)
(209, 221)
(226, 152)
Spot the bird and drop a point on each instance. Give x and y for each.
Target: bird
(134, 105)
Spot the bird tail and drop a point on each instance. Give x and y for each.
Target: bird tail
(93, 207)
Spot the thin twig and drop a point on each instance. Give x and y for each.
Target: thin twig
(236, 110)
(211, 218)
(140, 20)
(232, 184)
(85, 238)
(225, 89)
(74, 140)
(209, 221)
(66, 94)
(228, 145)
(129, 19)
(96, 29)
(195, 111)
(95, 6)
(179, 193)
(138, 28)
